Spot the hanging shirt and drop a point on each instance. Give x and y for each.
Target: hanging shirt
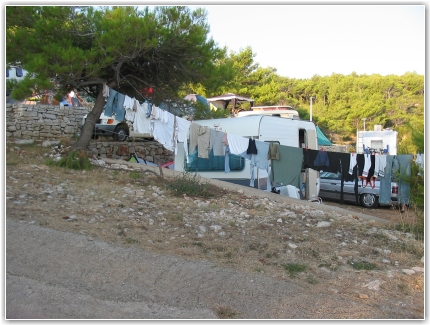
(382, 165)
(183, 127)
(237, 144)
(352, 162)
(259, 160)
(129, 114)
(163, 130)
(140, 122)
(215, 143)
(367, 164)
(252, 149)
(199, 136)
(128, 102)
(273, 151)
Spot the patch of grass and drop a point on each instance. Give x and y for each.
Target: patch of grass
(417, 229)
(403, 288)
(226, 312)
(362, 265)
(134, 174)
(189, 184)
(74, 160)
(329, 266)
(311, 280)
(129, 240)
(293, 268)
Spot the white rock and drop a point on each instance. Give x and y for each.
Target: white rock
(292, 245)
(216, 228)
(418, 269)
(408, 271)
(386, 261)
(202, 228)
(279, 220)
(374, 285)
(323, 224)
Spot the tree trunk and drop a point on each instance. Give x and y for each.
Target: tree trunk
(87, 130)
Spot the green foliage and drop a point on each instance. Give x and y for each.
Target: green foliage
(128, 48)
(362, 265)
(189, 184)
(204, 112)
(134, 174)
(293, 268)
(74, 160)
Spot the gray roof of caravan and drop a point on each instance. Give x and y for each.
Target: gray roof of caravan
(243, 126)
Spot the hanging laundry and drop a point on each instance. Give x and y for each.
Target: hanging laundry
(237, 144)
(382, 165)
(273, 151)
(352, 162)
(385, 182)
(420, 162)
(128, 102)
(402, 170)
(199, 136)
(183, 127)
(105, 90)
(367, 165)
(259, 160)
(129, 115)
(252, 149)
(115, 105)
(163, 130)
(321, 159)
(288, 169)
(215, 142)
(139, 123)
(135, 102)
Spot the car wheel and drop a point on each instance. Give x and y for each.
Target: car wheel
(369, 201)
(121, 133)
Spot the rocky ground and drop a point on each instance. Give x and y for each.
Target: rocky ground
(117, 242)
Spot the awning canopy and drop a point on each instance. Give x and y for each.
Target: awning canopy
(225, 99)
(322, 139)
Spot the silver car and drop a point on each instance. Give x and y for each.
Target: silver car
(368, 196)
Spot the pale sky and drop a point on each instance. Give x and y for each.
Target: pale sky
(301, 41)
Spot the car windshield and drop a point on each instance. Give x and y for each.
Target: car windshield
(329, 175)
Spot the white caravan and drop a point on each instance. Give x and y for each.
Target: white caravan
(284, 131)
(379, 140)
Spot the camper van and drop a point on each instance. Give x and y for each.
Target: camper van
(379, 140)
(283, 131)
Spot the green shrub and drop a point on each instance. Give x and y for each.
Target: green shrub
(362, 265)
(74, 160)
(293, 268)
(189, 184)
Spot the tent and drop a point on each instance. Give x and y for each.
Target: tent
(322, 139)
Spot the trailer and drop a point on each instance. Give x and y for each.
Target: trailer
(379, 140)
(283, 131)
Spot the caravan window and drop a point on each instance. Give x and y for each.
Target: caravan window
(213, 163)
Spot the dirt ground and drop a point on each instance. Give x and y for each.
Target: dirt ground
(117, 242)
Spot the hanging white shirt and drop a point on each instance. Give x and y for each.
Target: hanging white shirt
(141, 123)
(164, 128)
(237, 143)
(352, 162)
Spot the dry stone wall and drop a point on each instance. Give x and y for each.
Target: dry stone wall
(151, 151)
(40, 122)
(47, 122)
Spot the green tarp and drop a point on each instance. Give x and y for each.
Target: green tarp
(322, 139)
